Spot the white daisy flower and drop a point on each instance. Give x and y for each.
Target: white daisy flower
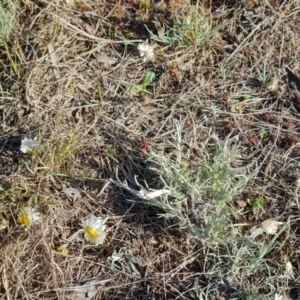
(270, 226)
(28, 216)
(146, 51)
(29, 144)
(94, 230)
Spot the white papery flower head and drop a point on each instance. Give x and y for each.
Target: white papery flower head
(270, 226)
(282, 297)
(289, 272)
(273, 84)
(146, 51)
(277, 297)
(152, 194)
(29, 144)
(94, 230)
(28, 217)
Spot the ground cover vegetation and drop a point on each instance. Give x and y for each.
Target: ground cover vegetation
(149, 149)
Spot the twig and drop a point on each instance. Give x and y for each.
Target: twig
(96, 38)
(54, 60)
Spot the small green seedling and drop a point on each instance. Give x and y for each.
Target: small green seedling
(264, 135)
(111, 153)
(164, 244)
(143, 88)
(256, 204)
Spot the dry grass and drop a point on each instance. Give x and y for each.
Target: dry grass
(218, 128)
